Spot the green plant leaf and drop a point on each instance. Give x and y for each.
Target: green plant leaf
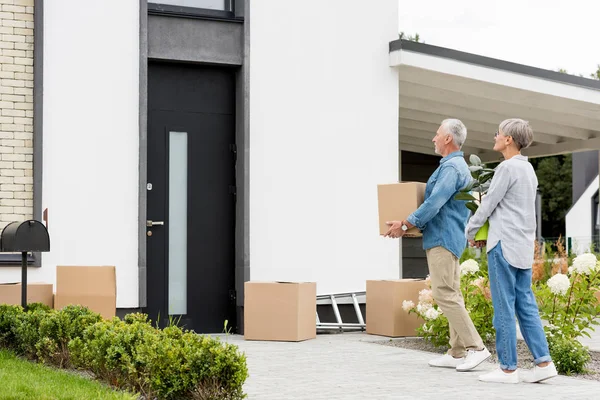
(469, 187)
(474, 160)
(472, 206)
(484, 177)
(475, 168)
(464, 196)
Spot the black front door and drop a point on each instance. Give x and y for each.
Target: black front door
(191, 196)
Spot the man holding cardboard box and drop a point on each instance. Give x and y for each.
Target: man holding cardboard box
(442, 221)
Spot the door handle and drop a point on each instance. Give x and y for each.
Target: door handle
(150, 223)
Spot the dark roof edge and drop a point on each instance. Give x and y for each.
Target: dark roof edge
(493, 63)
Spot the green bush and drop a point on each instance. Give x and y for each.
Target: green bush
(168, 364)
(26, 331)
(38, 306)
(58, 328)
(569, 356)
(8, 319)
(108, 349)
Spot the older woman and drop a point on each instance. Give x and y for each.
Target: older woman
(510, 207)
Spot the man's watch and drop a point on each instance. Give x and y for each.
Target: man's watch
(404, 227)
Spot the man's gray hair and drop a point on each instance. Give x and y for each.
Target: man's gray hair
(519, 130)
(457, 129)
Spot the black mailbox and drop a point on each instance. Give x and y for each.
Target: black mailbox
(25, 236)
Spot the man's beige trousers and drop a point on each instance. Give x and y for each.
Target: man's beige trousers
(444, 272)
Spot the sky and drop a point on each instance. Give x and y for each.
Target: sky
(527, 32)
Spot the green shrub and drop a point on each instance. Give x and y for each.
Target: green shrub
(182, 363)
(569, 356)
(38, 306)
(108, 349)
(58, 328)
(223, 362)
(8, 319)
(168, 364)
(26, 331)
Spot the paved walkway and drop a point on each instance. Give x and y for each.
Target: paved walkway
(351, 366)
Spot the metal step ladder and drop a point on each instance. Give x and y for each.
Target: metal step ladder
(339, 324)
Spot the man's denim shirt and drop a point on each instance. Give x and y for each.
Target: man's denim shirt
(441, 218)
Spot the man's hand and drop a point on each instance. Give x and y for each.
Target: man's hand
(396, 230)
(479, 244)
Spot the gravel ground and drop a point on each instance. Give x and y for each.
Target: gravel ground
(524, 356)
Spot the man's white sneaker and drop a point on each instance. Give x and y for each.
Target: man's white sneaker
(499, 376)
(446, 361)
(539, 374)
(473, 359)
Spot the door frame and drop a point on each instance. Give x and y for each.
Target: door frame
(242, 140)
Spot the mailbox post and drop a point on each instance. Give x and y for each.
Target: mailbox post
(24, 237)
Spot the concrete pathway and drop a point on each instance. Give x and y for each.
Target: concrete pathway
(351, 366)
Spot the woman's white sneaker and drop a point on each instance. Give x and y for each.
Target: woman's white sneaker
(499, 376)
(539, 374)
(446, 361)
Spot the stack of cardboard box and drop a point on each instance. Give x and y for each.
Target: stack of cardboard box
(93, 287)
(385, 315)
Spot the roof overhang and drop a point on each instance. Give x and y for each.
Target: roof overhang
(437, 83)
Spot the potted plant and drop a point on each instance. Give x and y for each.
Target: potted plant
(479, 186)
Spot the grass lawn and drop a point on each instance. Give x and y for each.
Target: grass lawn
(21, 379)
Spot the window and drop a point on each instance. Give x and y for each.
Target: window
(222, 5)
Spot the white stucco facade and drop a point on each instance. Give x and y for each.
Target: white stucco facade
(323, 134)
(91, 141)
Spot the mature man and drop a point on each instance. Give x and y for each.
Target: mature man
(442, 221)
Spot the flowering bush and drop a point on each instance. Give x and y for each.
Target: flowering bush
(548, 262)
(568, 302)
(569, 356)
(476, 292)
(469, 267)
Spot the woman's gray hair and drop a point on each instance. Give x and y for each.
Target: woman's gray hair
(519, 130)
(457, 129)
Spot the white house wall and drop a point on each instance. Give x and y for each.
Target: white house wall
(323, 134)
(578, 220)
(90, 140)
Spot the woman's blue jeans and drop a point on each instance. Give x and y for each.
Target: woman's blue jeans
(512, 294)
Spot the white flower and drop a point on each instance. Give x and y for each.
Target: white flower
(425, 296)
(407, 305)
(559, 284)
(469, 267)
(428, 281)
(423, 307)
(585, 263)
(570, 270)
(432, 313)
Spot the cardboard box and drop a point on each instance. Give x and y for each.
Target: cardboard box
(397, 201)
(385, 315)
(284, 311)
(93, 287)
(10, 293)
